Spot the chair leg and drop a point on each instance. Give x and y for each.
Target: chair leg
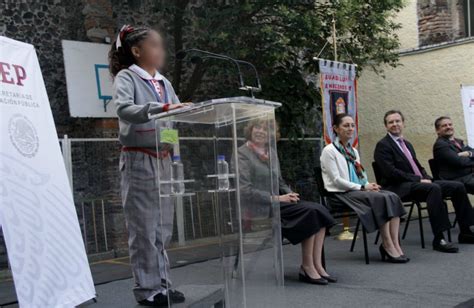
(420, 221)
(449, 230)
(366, 250)
(377, 238)
(356, 232)
(408, 220)
(323, 258)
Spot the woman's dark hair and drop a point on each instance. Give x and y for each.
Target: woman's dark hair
(338, 119)
(122, 57)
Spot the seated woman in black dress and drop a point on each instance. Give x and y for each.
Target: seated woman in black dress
(302, 222)
(345, 179)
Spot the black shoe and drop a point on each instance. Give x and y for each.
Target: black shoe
(176, 296)
(444, 246)
(331, 279)
(466, 238)
(304, 277)
(386, 257)
(159, 300)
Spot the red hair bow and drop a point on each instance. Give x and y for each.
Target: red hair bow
(121, 35)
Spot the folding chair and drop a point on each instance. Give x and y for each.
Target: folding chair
(340, 211)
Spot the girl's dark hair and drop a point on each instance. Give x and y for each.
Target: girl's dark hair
(122, 57)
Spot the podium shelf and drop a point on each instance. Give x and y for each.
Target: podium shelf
(177, 195)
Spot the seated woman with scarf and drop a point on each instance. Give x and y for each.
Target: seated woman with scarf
(346, 181)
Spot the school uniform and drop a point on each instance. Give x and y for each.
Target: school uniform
(149, 218)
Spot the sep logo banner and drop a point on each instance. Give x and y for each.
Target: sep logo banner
(37, 212)
(339, 95)
(467, 95)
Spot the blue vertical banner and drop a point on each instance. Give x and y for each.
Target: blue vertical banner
(339, 95)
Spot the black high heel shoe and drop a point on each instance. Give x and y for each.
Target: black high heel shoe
(386, 257)
(304, 277)
(330, 279)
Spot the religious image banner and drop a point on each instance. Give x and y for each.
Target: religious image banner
(338, 86)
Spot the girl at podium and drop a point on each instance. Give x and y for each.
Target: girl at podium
(139, 89)
(301, 221)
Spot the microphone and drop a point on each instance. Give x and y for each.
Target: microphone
(206, 54)
(180, 55)
(196, 60)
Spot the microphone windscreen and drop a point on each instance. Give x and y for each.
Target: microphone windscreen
(180, 54)
(196, 60)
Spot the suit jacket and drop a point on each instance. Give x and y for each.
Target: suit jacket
(396, 172)
(255, 182)
(450, 165)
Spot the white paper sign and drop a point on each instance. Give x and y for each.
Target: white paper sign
(467, 94)
(89, 84)
(37, 212)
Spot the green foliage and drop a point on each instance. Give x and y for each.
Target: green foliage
(280, 38)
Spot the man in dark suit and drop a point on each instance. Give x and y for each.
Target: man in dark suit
(403, 174)
(455, 160)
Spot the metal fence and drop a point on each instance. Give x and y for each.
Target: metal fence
(92, 169)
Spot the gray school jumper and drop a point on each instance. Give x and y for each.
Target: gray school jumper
(149, 219)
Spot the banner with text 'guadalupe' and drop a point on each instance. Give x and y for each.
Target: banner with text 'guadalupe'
(339, 95)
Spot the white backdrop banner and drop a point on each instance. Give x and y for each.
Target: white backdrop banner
(37, 212)
(467, 94)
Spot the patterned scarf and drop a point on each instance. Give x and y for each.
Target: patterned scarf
(350, 156)
(261, 154)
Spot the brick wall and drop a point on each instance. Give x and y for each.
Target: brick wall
(440, 21)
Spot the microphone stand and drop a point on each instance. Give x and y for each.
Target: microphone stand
(250, 89)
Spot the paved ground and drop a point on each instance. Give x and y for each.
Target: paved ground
(431, 279)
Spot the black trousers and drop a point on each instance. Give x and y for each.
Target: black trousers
(468, 182)
(433, 194)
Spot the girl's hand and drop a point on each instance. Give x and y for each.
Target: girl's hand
(372, 187)
(179, 105)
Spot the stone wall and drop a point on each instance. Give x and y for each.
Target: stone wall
(95, 164)
(440, 21)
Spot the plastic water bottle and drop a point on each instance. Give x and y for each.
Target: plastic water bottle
(177, 176)
(222, 173)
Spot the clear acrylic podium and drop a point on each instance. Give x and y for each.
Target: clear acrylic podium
(234, 233)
